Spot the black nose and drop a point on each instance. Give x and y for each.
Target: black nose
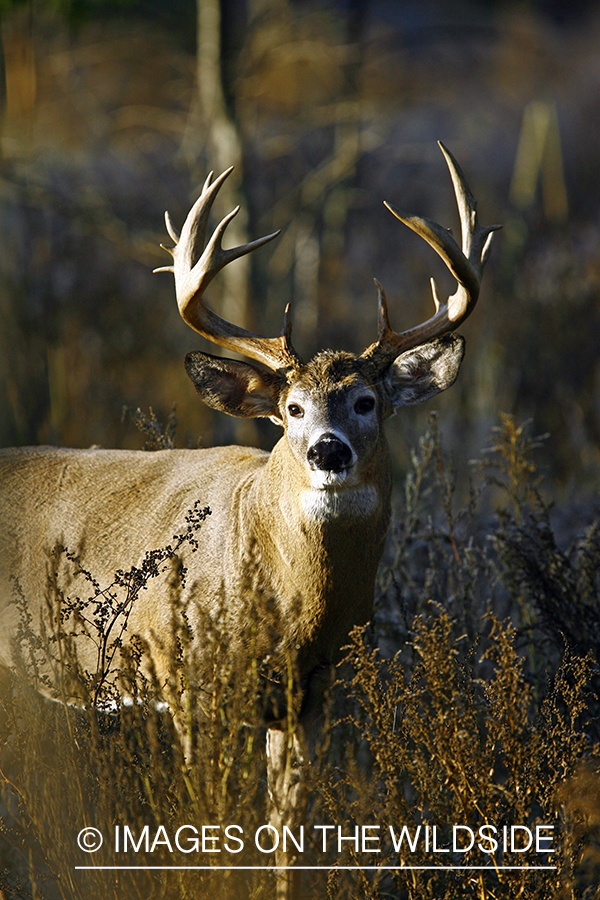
(329, 454)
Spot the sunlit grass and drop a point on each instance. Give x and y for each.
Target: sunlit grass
(469, 701)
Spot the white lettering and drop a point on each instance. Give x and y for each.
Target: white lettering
(369, 838)
(276, 838)
(325, 829)
(208, 838)
(487, 837)
(435, 848)
(346, 838)
(144, 837)
(543, 837)
(233, 837)
(193, 842)
(455, 830)
(405, 833)
(513, 844)
(287, 833)
(161, 837)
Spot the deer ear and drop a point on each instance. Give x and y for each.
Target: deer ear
(423, 372)
(236, 388)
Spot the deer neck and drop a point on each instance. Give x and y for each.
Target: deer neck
(319, 556)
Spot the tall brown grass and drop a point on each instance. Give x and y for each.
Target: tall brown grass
(469, 700)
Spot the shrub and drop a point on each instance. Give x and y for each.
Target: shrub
(469, 701)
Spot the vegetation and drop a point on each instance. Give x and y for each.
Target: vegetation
(469, 700)
(327, 109)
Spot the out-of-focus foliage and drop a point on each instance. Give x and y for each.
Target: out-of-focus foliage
(335, 108)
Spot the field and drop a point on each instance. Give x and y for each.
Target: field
(470, 701)
(486, 715)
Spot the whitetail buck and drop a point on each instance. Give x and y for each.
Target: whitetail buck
(303, 525)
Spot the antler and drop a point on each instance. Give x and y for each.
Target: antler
(466, 265)
(194, 267)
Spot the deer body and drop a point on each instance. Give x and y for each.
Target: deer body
(300, 530)
(85, 495)
(314, 550)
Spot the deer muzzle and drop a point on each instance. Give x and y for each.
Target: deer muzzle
(330, 454)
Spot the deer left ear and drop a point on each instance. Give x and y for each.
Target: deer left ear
(423, 372)
(236, 388)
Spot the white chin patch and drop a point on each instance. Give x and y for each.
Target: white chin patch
(324, 480)
(333, 500)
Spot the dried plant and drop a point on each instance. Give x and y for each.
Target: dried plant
(469, 701)
(158, 436)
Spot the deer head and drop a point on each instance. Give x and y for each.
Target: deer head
(332, 407)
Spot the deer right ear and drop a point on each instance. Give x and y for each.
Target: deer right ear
(236, 388)
(423, 372)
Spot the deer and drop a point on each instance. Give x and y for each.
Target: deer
(303, 525)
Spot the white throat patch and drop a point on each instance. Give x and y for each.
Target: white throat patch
(334, 502)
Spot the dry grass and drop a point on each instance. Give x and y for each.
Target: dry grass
(468, 701)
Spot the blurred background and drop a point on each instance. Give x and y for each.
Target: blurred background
(113, 112)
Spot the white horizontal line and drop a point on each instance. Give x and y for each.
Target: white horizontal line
(314, 868)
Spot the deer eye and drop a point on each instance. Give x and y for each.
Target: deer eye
(295, 411)
(364, 405)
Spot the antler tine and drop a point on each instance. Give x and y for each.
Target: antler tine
(466, 264)
(194, 267)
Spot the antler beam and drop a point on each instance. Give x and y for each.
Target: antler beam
(466, 264)
(194, 267)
